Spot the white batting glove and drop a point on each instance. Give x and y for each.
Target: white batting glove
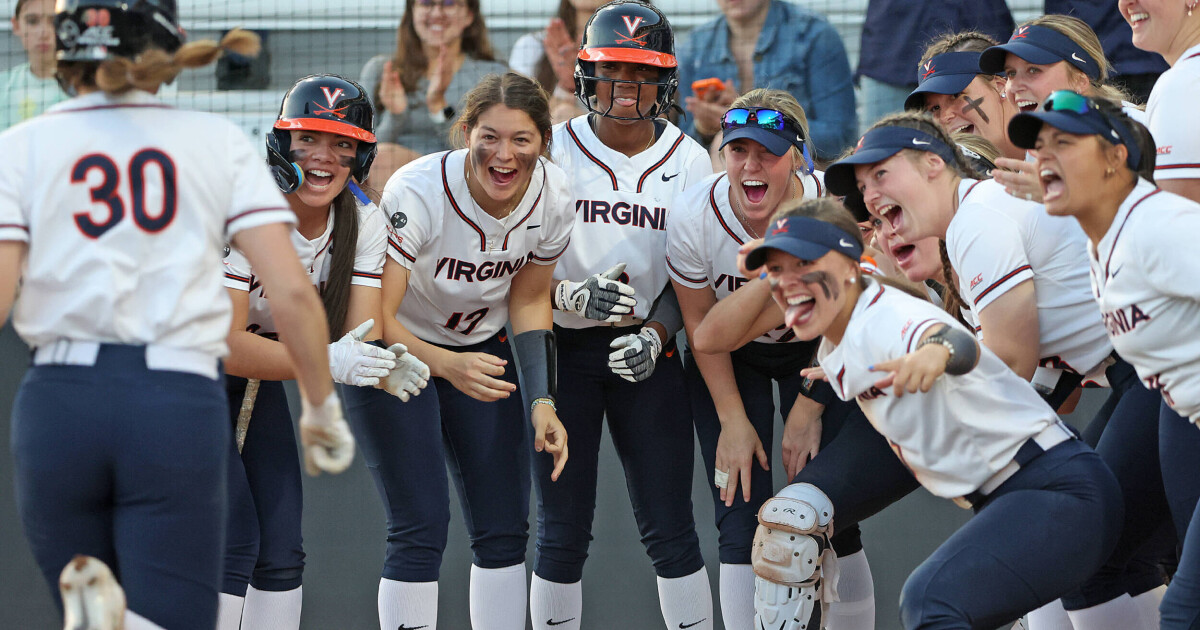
(634, 356)
(600, 297)
(408, 378)
(352, 362)
(328, 443)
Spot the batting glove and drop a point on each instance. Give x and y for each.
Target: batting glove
(408, 378)
(352, 362)
(634, 356)
(601, 297)
(328, 444)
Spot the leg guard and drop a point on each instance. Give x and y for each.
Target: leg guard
(793, 560)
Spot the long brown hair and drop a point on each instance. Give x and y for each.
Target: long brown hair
(343, 244)
(410, 56)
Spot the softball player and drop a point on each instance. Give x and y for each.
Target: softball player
(616, 328)
(1089, 158)
(765, 149)
(1046, 54)
(1170, 29)
(121, 301)
(475, 235)
(974, 432)
(1021, 275)
(322, 137)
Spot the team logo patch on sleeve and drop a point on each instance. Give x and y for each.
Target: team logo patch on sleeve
(399, 220)
(226, 254)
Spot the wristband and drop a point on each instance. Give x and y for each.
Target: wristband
(537, 354)
(542, 401)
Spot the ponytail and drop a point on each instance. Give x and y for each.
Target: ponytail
(343, 245)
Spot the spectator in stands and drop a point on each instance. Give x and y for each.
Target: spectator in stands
(1133, 70)
(549, 56)
(770, 44)
(442, 51)
(897, 31)
(28, 89)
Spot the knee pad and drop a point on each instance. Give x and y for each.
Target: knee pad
(793, 559)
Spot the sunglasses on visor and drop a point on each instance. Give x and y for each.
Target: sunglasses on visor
(761, 117)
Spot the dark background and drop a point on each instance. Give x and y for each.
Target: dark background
(344, 531)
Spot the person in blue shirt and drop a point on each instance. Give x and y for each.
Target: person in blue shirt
(770, 44)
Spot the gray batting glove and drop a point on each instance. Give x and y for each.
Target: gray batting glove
(600, 297)
(408, 378)
(634, 356)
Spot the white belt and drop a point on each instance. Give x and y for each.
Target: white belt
(68, 352)
(1048, 438)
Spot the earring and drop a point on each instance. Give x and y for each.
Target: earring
(850, 281)
(1109, 172)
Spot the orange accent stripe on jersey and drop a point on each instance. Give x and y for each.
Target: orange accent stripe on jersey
(396, 246)
(4, 226)
(1122, 228)
(712, 201)
(913, 336)
(253, 211)
(841, 374)
(659, 163)
(1008, 276)
(876, 298)
(525, 218)
(683, 275)
(367, 274)
(1165, 167)
(817, 181)
(457, 210)
(578, 143)
(554, 257)
(234, 276)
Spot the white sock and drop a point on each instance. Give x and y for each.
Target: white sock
(1147, 605)
(272, 610)
(737, 596)
(407, 604)
(686, 602)
(134, 621)
(229, 611)
(1052, 616)
(1118, 613)
(856, 591)
(498, 598)
(551, 602)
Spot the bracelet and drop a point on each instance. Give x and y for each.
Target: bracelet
(543, 401)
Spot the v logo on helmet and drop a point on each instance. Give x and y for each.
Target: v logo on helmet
(632, 23)
(331, 96)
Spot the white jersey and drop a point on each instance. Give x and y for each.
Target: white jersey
(317, 257)
(461, 258)
(958, 434)
(127, 204)
(1171, 112)
(622, 207)
(704, 237)
(1145, 280)
(996, 241)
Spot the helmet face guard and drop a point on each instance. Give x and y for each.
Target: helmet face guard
(325, 103)
(95, 30)
(627, 31)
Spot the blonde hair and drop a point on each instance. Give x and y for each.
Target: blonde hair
(154, 67)
(962, 41)
(781, 101)
(1079, 32)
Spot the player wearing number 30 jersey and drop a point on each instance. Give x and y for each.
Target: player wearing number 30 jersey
(114, 209)
(475, 236)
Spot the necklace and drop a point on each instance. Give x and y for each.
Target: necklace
(649, 143)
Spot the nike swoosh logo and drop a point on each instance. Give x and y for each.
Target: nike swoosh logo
(404, 627)
(1076, 58)
(843, 243)
(533, 227)
(665, 178)
(1116, 271)
(919, 142)
(683, 626)
(551, 622)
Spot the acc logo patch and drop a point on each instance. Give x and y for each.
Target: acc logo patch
(399, 220)
(976, 280)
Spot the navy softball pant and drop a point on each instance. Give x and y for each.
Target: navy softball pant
(408, 446)
(860, 473)
(1041, 533)
(1179, 450)
(651, 427)
(1125, 435)
(263, 544)
(126, 464)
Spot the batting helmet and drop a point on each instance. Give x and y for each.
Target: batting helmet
(95, 30)
(631, 32)
(322, 102)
